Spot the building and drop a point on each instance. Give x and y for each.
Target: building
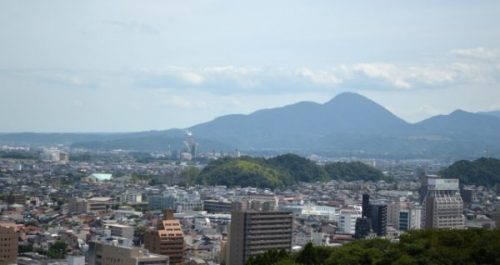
(347, 221)
(96, 204)
(366, 206)
(8, 243)
(124, 231)
(254, 232)
(410, 217)
(175, 199)
(442, 205)
(77, 205)
(99, 177)
(214, 206)
(378, 218)
(167, 239)
(112, 253)
(16, 198)
(423, 185)
(363, 227)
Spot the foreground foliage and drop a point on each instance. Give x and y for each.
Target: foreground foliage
(417, 247)
(278, 171)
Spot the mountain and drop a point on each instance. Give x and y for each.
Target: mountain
(492, 113)
(461, 123)
(347, 125)
(296, 126)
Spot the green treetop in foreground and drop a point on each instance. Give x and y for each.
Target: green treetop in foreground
(419, 247)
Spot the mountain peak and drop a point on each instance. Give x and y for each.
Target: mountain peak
(349, 97)
(459, 112)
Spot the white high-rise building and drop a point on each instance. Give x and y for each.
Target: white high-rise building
(347, 220)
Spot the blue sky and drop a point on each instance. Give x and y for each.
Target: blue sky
(140, 65)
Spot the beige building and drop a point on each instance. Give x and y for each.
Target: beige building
(101, 253)
(442, 205)
(96, 204)
(167, 239)
(8, 243)
(254, 232)
(119, 230)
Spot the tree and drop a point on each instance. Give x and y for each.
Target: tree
(58, 250)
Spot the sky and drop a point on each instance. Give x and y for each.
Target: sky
(118, 66)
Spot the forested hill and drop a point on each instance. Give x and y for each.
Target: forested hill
(483, 171)
(279, 171)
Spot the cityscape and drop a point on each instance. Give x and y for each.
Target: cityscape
(252, 133)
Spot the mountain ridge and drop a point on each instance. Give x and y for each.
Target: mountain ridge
(345, 125)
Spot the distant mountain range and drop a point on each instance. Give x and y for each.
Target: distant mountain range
(349, 124)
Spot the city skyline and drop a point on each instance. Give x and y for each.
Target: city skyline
(135, 66)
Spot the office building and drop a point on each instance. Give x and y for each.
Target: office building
(378, 218)
(112, 253)
(167, 239)
(255, 231)
(214, 206)
(347, 221)
(124, 231)
(8, 243)
(443, 206)
(366, 206)
(410, 217)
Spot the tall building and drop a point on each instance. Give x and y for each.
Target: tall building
(442, 205)
(410, 217)
(424, 179)
(167, 239)
(363, 227)
(366, 206)
(112, 253)
(8, 243)
(379, 218)
(347, 221)
(374, 215)
(253, 232)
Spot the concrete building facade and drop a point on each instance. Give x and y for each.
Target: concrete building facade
(254, 232)
(442, 205)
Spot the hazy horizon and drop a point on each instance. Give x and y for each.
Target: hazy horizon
(127, 66)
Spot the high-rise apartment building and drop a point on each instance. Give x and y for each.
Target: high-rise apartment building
(379, 218)
(254, 232)
(8, 243)
(167, 239)
(442, 206)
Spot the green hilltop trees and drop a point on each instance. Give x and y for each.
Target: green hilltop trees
(483, 171)
(280, 171)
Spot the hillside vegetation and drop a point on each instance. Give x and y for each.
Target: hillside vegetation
(280, 171)
(483, 171)
(416, 247)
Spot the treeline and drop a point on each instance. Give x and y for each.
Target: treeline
(415, 248)
(483, 171)
(280, 171)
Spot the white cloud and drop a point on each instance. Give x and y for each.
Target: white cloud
(478, 53)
